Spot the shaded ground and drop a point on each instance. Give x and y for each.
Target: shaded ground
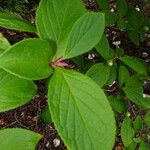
(28, 116)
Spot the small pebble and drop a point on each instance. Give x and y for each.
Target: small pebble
(116, 43)
(112, 10)
(144, 54)
(137, 8)
(91, 56)
(56, 142)
(47, 144)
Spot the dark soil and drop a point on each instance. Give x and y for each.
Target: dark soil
(28, 116)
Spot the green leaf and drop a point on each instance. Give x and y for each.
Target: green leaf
(144, 146)
(146, 102)
(4, 44)
(82, 62)
(134, 36)
(29, 59)
(104, 5)
(123, 75)
(113, 74)
(85, 34)
(103, 48)
(122, 8)
(55, 19)
(14, 91)
(11, 21)
(46, 116)
(147, 119)
(99, 73)
(121, 23)
(134, 18)
(110, 18)
(134, 90)
(127, 132)
(117, 104)
(132, 146)
(137, 139)
(138, 123)
(80, 111)
(18, 139)
(119, 52)
(136, 64)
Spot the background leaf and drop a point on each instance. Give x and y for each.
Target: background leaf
(55, 19)
(144, 146)
(104, 5)
(136, 64)
(4, 44)
(11, 21)
(123, 75)
(138, 123)
(85, 34)
(18, 139)
(80, 111)
(14, 91)
(110, 18)
(103, 48)
(127, 132)
(147, 119)
(134, 36)
(46, 116)
(28, 59)
(118, 104)
(134, 90)
(122, 8)
(99, 73)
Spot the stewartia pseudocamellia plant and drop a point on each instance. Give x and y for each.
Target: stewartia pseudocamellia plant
(78, 106)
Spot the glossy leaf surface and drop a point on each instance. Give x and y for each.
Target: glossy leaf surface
(29, 59)
(80, 111)
(11, 21)
(14, 91)
(18, 139)
(99, 73)
(55, 19)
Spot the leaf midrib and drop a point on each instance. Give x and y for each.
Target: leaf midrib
(71, 93)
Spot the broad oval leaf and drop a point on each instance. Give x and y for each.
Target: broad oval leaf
(46, 116)
(14, 22)
(104, 5)
(99, 73)
(14, 92)
(147, 119)
(85, 34)
(110, 17)
(80, 111)
(55, 19)
(122, 8)
(18, 139)
(127, 132)
(123, 75)
(138, 123)
(104, 49)
(144, 146)
(134, 91)
(29, 59)
(118, 104)
(136, 64)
